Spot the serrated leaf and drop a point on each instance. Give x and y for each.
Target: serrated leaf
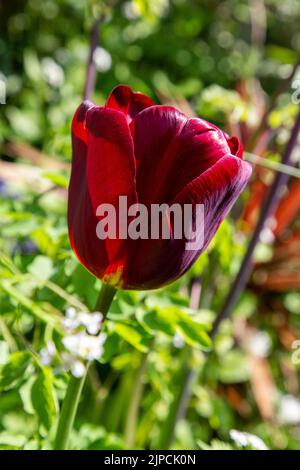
(193, 332)
(13, 372)
(157, 320)
(43, 398)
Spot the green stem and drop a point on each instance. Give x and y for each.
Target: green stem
(137, 392)
(68, 412)
(71, 401)
(168, 427)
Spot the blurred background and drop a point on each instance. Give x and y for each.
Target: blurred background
(233, 62)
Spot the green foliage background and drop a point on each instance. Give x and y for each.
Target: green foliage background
(192, 50)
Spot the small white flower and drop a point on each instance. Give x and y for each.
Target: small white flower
(70, 324)
(70, 321)
(78, 369)
(245, 439)
(92, 321)
(85, 346)
(47, 354)
(256, 442)
(71, 342)
(70, 312)
(238, 437)
(289, 410)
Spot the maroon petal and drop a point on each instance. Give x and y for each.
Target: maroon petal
(79, 153)
(130, 103)
(171, 150)
(153, 263)
(236, 146)
(107, 171)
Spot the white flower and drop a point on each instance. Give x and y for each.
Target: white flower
(92, 321)
(256, 442)
(289, 410)
(78, 369)
(238, 437)
(85, 346)
(70, 312)
(47, 354)
(245, 439)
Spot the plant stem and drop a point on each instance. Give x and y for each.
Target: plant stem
(268, 209)
(189, 373)
(137, 392)
(168, 427)
(68, 412)
(91, 68)
(71, 400)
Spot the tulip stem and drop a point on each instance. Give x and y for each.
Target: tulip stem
(91, 67)
(75, 386)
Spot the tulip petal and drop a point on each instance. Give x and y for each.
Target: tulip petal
(171, 150)
(154, 263)
(130, 103)
(111, 163)
(108, 172)
(236, 146)
(79, 153)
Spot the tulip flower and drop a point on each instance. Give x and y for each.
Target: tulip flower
(152, 155)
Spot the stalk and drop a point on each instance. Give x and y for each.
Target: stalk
(133, 411)
(91, 68)
(75, 386)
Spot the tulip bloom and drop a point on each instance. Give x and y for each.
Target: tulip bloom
(152, 155)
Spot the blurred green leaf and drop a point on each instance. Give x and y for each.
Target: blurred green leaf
(13, 372)
(43, 398)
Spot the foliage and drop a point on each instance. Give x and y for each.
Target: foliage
(193, 52)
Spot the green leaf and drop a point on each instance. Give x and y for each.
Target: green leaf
(13, 372)
(4, 352)
(170, 319)
(58, 179)
(157, 320)
(11, 441)
(25, 394)
(41, 267)
(34, 308)
(43, 398)
(193, 332)
(134, 335)
(233, 368)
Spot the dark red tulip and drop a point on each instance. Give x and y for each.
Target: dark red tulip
(151, 154)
